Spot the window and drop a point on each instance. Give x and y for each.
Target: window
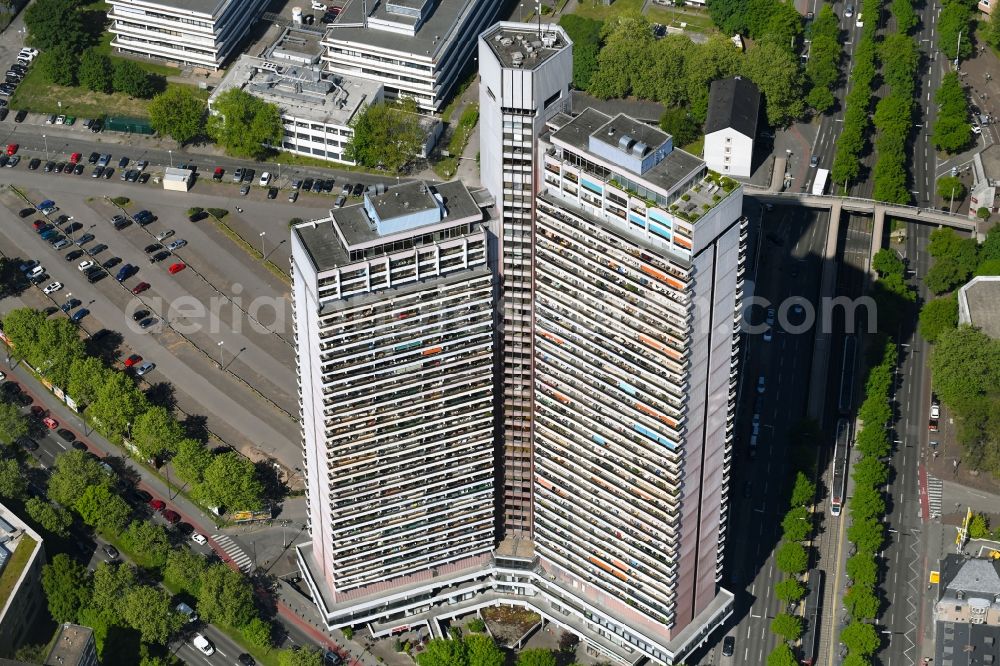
(552, 98)
(729, 139)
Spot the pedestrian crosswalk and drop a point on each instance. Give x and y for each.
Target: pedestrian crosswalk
(234, 552)
(934, 487)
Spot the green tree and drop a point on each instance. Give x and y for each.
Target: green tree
(184, 568)
(803, 491)
(937, 316)
(862, 569)
(979, 527)
(776, 72)
(782, 655)
(906, 18)
(681, 125)
(950, 187)
(872, 442)
(58, 66)
(100, 508)
(258, 633)
(225, 596)
(789, 590)
(129, 78)
(86, 376)
(147, 609)
(12, 481)
(965, 364)
(787, 626)
(860, 638)
(387, 136)
(53, 518)
(56, 23)
(74, 473)
(955, 17)
(867, 502)
(191, 461)
(992, 31)
(148, 542)
(796, 524)
(443, 652)
(990, 249)
(178, 113)
(111, 583)
(32, 654)
(13, 423)
(627, 39)
(586, 36)
(854, 659)
(870, 472)
(307, 656)
(536, 657)
(244, 125)
(868, 535)
(861, 602)
(887, 262)
(117, 405)
(481, 650)
(231, 481)
(95, 72)
(67, 587)
(155, 431)
(791, 558)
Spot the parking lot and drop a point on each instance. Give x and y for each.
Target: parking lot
(223, 307)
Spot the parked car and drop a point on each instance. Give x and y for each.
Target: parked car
(145, 368)
(139, 288)
(238, 175)
(34, 163)
(172, 516)
(80, 314)
(125, 272)
(52, 288)
(164, 234)
(177, 244)
(70, 304)
(217, 174)
(132, 360)
(204, 645)
(265, 178)
(293, 196)
(84, 239)
(176, 268)
(157, 504)
(50, 423)
(159, 256)
(199, 539)
(197, 216)
(272, 192)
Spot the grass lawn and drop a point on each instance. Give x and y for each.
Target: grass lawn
(151, 66)
(36, 94)
(695, 147)
(697, 19)
(15, 567)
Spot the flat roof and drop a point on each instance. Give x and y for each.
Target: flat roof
(322, 238)
(979, 304)
(671, 171)
(70, 646)
(300, 91)
(524, 47)
(14, 533)
(209, 7)
(961, 644)
(407, 198)
(621, 125)
(429, 40)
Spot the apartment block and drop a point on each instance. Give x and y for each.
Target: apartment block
(639, 271)
(414, 48)
(198, 33)
(22, 556)
(393, 305)
(524, 81)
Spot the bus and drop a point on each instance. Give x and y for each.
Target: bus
(813, 613)
(841, 455)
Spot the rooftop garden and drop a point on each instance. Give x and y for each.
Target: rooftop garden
(15, 567)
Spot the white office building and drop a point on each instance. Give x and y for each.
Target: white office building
(317, 108)
(414, 48)
(198, 33)
(524, 81)
(731, 126)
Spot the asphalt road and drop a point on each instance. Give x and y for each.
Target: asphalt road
(924, 157)
(902, 586)
(789, 266)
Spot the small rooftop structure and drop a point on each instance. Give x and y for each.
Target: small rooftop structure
(522, 48)
(733, 103)
(296, 45)
(74, 646)
(177, 179)
(979, 304)
(301, 91)
(380, 218)
(420, 27)
(637, 148)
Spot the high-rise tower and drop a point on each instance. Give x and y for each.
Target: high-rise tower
(524, 80)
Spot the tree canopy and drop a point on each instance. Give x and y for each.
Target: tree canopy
(55, 23)
(67, 587)
(230, 480)
(386, 135)
(244, 125)
(13, 423)
(178, 113)
(586, 36)
(952, 132)
(74, 473)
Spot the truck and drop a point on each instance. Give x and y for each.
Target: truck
(819, 183)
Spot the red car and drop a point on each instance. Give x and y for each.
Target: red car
(141, 287)
(38, 224)
(132, 360)
(172, 516)
(176, 268)
(50, 423)
(217, 176)
(74, 158)
(12, 148)
(157, 504)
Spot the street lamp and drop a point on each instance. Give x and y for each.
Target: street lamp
(46, 140)
(279, 172)
(171, 158)
(221, 364)
(262, 255)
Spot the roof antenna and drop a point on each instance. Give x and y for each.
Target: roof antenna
(538, 11)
